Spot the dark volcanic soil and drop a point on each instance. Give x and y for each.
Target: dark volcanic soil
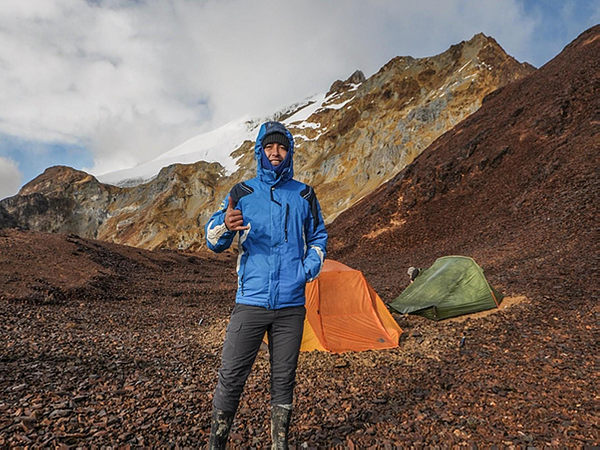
(123, 347)
(106, 345)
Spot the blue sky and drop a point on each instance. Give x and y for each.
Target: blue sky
(33, 157)
(106, 84)
(556, 24)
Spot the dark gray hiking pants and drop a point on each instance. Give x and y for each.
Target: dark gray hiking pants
(244, 335)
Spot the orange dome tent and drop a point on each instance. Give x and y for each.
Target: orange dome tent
(344, 313)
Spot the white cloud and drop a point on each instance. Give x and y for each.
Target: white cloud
(10, 177)
(130, 80)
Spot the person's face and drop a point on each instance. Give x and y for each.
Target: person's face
(275, 153)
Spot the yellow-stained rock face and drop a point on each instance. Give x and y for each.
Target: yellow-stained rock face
(389, 119)
(366, 131)
(167, 212)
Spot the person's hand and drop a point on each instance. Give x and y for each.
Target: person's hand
(234, 221)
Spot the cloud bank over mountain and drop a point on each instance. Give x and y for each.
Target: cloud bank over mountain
(11, 177)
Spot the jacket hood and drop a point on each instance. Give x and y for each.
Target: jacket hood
(266, 174)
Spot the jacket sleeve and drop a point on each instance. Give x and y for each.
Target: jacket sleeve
(316, 239)
(218, 237)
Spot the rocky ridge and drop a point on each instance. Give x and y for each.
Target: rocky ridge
(362, 133)
(168, 210)
(516, 181)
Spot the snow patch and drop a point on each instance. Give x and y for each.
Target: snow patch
(306, 138)
(214, 146)
(353, 87)
(313, 125)
(338, 105)
(218, 144)
(305, 113)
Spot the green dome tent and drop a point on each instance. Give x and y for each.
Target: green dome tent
(453, 286)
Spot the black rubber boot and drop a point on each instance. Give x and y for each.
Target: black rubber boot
(219, 429)
(280, 426)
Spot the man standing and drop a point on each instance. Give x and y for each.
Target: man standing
(282, 244)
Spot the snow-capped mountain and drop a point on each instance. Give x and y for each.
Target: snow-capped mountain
(349, 141)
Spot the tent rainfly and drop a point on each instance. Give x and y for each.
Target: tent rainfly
(344, 313)
(452, 286)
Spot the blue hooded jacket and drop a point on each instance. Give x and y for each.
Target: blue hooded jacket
(286, 242)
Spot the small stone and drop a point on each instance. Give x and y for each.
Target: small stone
(124, 436)
(59, 413)
(236, 437)
(27, 425)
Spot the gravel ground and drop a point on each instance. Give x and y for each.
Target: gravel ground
(134, 362)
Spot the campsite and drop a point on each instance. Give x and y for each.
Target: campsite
(120, 346)
(108, 345)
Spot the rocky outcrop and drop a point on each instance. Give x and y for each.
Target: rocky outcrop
(355, 79)
(62, 200)
(168, 212)
(362, 134)
(6, 219)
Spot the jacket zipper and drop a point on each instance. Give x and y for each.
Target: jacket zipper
(287, 215)
(276, 202)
